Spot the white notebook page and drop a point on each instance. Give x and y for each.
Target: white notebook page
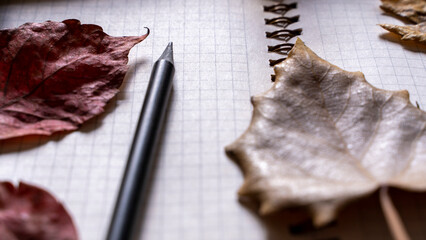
(221, 60)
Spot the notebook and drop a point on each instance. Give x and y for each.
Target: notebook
(222, 59)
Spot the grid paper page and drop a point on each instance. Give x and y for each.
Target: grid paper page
(221, 60)
(195, 184)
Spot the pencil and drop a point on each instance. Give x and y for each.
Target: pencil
(133, 190)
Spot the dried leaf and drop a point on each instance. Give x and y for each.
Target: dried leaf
(411, 32)
(322, 136)
(29, 212)
(414, 10)
(54, 76)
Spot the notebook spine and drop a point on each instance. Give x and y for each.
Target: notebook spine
(283, 33)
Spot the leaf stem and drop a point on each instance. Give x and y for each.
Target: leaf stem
(392, 217)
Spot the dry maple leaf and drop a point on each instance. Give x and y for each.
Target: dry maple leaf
(56, 75)
(412, 32)
(28, 212)
(322, 136)
(414, 10)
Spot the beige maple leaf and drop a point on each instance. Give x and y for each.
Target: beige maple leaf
(414, 10)
(411, 32)
(322, 136)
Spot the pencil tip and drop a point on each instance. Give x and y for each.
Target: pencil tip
(168, 53)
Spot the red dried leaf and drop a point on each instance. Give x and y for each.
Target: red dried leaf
(29, 212)
(54, 76)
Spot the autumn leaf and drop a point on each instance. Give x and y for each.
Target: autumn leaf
(56, 75)
(413, 10)
(411, 32)
(29, 212)
(322, 136)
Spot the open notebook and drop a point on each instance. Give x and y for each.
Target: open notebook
(221, 60)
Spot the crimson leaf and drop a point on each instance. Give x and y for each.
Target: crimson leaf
(56, 75)
(29, 212)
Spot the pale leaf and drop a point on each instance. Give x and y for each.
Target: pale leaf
(322, 136)
(414, 10)
(411, 32)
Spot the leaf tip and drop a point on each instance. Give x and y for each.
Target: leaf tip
(323, 213)
(74, 22)
(245, 189)
(233, 152)
(148, 31)
(300, 49)
(299, 41)
(298, 45)
(386, 26)
(229, 150)
(266, 209)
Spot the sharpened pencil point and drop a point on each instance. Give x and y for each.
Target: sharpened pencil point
(168, 53)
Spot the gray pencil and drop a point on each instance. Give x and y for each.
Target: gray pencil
(124, 224)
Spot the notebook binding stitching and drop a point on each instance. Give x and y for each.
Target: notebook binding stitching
(283, 33)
